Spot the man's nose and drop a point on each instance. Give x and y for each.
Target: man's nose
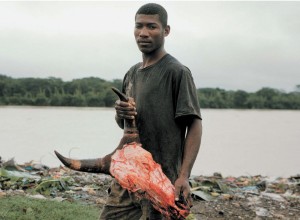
(144, 32)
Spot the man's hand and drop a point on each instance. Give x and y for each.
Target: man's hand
(183, 192)
(125, 110)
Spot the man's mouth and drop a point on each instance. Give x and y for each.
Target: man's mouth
(144, 43)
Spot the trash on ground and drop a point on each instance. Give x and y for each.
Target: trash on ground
(244, 197)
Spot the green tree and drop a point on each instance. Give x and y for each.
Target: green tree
(41, 99)
(110, 98)
(255, 102)
(93, 91)
(240, 99)
(95, 100)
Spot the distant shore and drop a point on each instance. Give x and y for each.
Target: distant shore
(96, 92)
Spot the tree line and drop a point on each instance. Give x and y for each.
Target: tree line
(96, 92)
(265, 98)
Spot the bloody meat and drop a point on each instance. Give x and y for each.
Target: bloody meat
(135, 170)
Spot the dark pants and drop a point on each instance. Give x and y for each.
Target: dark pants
(124, 205)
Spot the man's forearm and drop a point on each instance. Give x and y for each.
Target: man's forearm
(191, 148)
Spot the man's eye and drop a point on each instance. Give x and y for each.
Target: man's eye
(138, 26)
(152, 27)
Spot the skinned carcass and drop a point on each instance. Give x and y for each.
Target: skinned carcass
(135, 170)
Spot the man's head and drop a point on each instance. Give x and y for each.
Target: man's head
(154, 9)
(151, 28)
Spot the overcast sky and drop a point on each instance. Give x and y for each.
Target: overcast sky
(230, 45)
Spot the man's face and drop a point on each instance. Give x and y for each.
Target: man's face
(149, 33)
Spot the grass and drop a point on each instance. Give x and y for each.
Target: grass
(24, 208)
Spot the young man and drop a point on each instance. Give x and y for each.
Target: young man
(167, 114)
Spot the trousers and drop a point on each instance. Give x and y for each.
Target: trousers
(124, 205)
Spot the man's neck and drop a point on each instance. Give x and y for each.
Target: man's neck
(150, 59)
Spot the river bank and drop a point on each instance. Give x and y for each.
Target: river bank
(244, 197)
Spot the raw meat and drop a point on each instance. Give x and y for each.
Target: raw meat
(136, 171)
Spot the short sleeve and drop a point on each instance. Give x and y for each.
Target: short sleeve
(187, 103)
(125, 82)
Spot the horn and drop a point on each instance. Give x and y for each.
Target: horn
(122, 96)
(102, 165)
(129, 124)
(99, 165)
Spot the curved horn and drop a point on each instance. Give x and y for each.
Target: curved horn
(121, 95)
(100, 165)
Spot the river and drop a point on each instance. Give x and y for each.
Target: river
(234, 142)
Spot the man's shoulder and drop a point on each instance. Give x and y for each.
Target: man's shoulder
(176, 67)
(132, 70)
(134, 67)
(175, 64)
(131, 73)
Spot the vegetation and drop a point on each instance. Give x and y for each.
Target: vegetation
(20, 207)
(265, 98)
(54, 92)
(94, 91)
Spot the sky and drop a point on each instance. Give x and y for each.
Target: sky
(233, 45)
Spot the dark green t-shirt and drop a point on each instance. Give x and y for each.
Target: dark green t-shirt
(165, 94)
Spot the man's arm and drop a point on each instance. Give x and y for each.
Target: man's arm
(191, 149)
(124, 110)
(119, 121)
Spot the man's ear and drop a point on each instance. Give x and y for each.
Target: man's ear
(167, 30)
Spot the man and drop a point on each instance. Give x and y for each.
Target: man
(166, 111)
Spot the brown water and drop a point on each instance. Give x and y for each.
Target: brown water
(235, 142)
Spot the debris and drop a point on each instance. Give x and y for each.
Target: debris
(262, 212)
(59, 199)
(34, 166)
(215, 194)
(246, 197)
(11, 165)
(91, 191)
(272, 196)
(218, 175)
(48, 187)
(226, 196)
(2, 194)
(16, 175)
(250, 189)
(38, 196)
(279, 216)
(100, 201)
(253, 200)
(202, 195)
(190, 217)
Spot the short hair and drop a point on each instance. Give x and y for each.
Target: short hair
(154, 9)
